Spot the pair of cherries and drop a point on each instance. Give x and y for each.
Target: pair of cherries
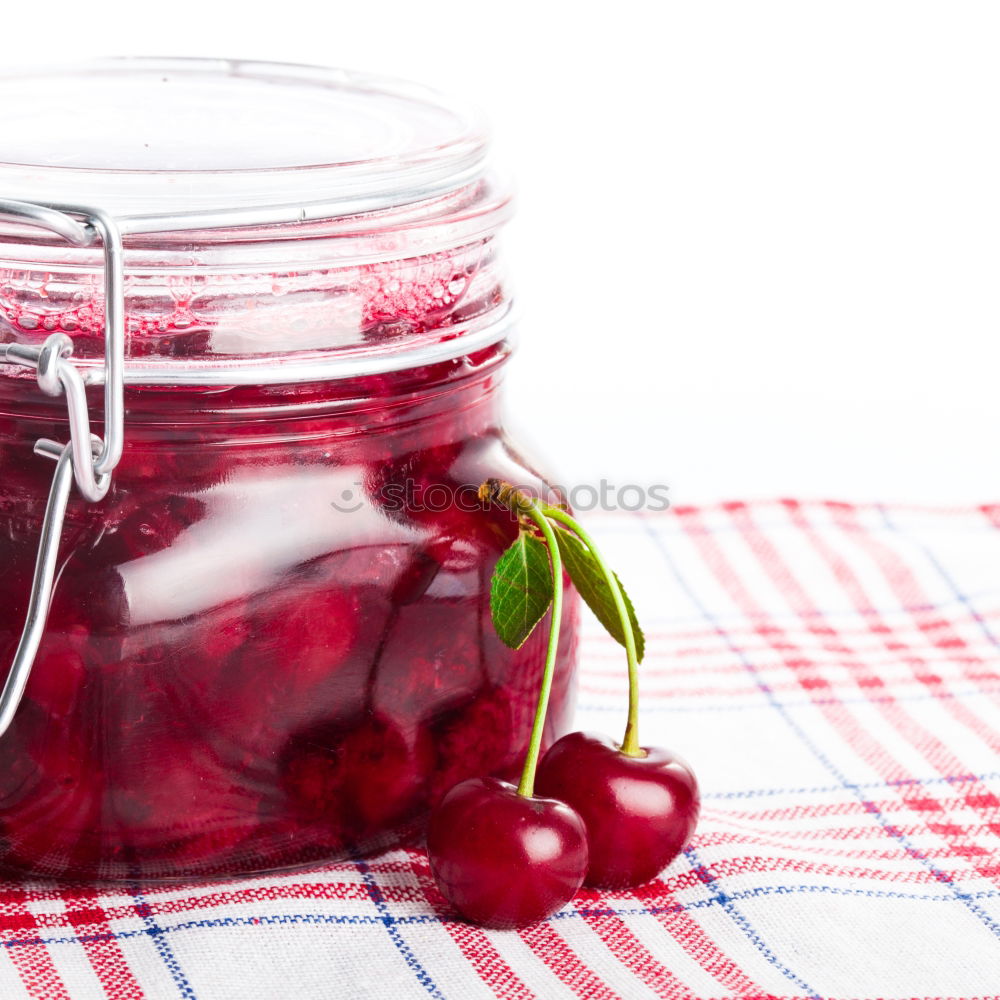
(589, 812)
(601, 818)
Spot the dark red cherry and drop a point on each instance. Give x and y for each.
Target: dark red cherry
(140, 525)
(309, 633)
(356, 777)
(412, 487)
(388, 760)
(313, 770)
(50, 813)
(504, 860)
(430, 656)
(172, 803)
(59, 674)
(640, 812)
(471, 739)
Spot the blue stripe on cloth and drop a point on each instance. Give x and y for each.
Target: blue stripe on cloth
(166, 953)
(362, 920)
(391, 925)
(964, 599)
(803, 737)
(726, 901)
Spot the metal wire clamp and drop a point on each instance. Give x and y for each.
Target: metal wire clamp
(86, 458)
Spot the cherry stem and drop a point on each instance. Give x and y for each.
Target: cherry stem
(531, 509)
(630, 744)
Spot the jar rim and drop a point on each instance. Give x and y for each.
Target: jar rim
(339, 142)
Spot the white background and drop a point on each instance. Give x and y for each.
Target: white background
(758, 243)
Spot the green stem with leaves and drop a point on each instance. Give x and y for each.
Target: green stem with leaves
(630, 744)
(532, 510)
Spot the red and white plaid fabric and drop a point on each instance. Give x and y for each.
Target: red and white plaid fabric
(832, 671)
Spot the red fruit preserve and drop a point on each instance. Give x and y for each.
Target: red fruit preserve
(268, 641)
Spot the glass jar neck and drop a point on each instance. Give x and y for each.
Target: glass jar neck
(258, 415)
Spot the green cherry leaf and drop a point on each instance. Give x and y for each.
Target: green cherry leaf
(521, 590)
(585, 572)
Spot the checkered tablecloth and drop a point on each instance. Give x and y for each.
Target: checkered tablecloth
(832, 672)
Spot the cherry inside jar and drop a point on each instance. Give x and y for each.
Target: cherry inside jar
(270, 644)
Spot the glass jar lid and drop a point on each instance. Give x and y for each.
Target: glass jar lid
(172, 137)
(279, 223)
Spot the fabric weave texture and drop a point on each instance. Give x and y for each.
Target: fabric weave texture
(831, 671)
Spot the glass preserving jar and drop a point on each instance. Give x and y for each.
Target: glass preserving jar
(268, 642)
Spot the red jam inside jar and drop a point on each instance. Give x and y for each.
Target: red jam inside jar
(270, 643)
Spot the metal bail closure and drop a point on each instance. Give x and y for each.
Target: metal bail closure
(87, 458)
